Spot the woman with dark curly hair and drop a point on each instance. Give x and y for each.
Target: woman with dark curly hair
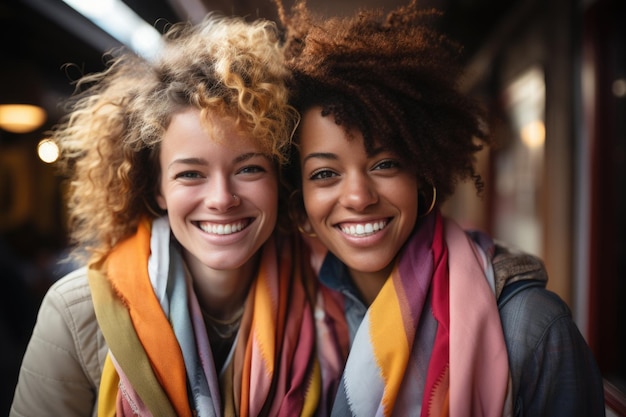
(192, 303)
(440, 321)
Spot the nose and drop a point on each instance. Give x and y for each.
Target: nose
(358, 192)
(220, 195)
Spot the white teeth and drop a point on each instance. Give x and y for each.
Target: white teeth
(364, 229)
(222, 229)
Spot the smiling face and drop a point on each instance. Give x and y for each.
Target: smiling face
(220, 191)
(363, 208)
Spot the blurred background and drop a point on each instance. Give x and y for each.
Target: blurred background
(551, 72)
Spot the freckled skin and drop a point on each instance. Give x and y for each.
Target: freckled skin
(202, 167)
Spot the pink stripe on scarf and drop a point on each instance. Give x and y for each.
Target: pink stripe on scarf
(479, 370)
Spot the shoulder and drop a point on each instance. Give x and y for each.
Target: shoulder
(68, 304)
(530, 312)
(512, 265)
(552, 367)
(67, 329)
(63, 362)
(71, 290)
(527, 309)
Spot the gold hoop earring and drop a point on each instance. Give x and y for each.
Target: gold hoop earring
(432, 203)
(305, 232)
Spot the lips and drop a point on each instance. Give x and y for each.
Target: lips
(363, 229)
(223, 228)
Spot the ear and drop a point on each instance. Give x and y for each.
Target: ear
(161, 200)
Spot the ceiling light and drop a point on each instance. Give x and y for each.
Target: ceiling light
(121, 22)
(21, 118)
(48, 151)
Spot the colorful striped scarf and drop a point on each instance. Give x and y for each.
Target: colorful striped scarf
(160, 362)
(467, 374)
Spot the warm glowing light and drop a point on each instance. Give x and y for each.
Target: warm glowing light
(619, 87)
(21, 118)
(48, 151)
(534, 134)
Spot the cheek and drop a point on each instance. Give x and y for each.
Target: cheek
(407, 202)
(265, 196)
(319, 205)
(176, 199)
(272, 204)
(311, 200)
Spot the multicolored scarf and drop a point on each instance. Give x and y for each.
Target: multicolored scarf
(160, 362)
(467, 374)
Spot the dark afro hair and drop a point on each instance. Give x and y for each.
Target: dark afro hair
(394, 78)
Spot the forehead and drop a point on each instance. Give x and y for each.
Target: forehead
(321, 131)
(192, 131)
(215, 125)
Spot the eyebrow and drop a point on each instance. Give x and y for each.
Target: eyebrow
(379, 150)
(333, 157)
(249, 155)
(202, 161)
(320, 155)
(188, 161)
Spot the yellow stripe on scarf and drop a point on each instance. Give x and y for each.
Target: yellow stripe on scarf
(389, 343)
(313, 392)
(107, 394)
(264, 320)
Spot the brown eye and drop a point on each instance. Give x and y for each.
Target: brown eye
(322, 174)
(387, 164)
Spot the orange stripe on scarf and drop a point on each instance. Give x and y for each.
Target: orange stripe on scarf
(392, 354)
(127, 270)
(269, 316)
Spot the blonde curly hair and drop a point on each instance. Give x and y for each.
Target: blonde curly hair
(110, 138)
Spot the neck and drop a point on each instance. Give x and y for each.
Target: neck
(222, 293)
(369, 284)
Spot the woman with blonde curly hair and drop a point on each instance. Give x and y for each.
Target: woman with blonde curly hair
(441, 321)
(191, 302)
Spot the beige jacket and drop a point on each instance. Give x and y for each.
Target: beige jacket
(61, 369)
